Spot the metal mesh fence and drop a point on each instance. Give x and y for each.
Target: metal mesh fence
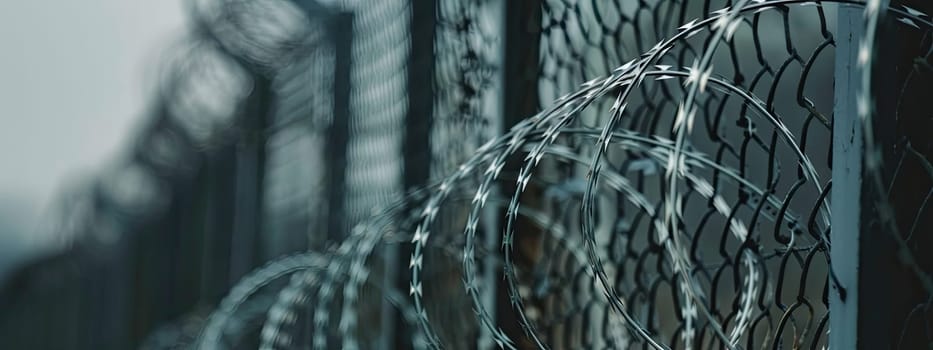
(740, 257)
(676, 178)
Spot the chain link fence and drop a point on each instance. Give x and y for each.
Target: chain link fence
(524, 174)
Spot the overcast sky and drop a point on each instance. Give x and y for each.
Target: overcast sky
(75, 78)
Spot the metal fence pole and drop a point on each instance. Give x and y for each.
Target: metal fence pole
(341, 32)
(878, 186)
(416, 150)
(219, 187)
(250, 173)
(523, 20)
(494, 107)
(847, 177)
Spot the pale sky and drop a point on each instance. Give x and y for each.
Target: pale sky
(75, 79)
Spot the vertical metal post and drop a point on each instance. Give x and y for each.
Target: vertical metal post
(341, 33)
(523, 20)
(847, 179)
(250, 173)
(416, 150)
(219, 185)
(875, 190)
(494, 106)
(522, 52)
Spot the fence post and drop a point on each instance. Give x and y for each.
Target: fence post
(878, 188)
(493, 106)
(341, 31)
(219, 186)
(847, 177)
(523, 19)
(250, 171)
(416, 153)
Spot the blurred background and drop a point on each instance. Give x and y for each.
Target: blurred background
(77, 78)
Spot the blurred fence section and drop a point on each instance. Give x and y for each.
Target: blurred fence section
(230, 169)
(522, 174)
